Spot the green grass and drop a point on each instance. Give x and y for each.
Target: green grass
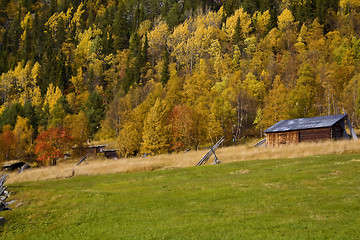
(308, 198)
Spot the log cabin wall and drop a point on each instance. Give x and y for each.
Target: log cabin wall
(305, 135)
(319, 134)
(280, 138)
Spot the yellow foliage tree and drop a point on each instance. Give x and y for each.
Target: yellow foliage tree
(191, 40)
(157, 40)
(174, 88)
(26, 25)
(222, 113)
(52, 96)
(245, 22)
(245, 105)
(130, 135)
(177, 42)
(261, 21)
(24, 136)
(78, 81)
(254, 87)
(21, 82)
(276, 107)
(79, 127)
(89, 43)
(53, 22)
(285, 20)
(156, 132)
(197, 95)
(76, 19)
(220, 60)
(287, 27)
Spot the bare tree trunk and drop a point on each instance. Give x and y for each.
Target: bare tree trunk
(329, 100)
(354, 104)
(240, 118)
(53, 162)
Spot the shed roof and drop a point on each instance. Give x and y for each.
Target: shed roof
(305, 123)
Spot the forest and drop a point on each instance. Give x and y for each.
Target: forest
(160, 76)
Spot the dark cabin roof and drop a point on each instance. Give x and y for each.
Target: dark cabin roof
(305, 123)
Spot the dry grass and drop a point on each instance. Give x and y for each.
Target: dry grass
(179, 160)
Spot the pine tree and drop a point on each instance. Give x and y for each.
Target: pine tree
(14, 35)
(10, 114)
(165, 73)
(134, 63)
(38, 37)
(95, 112)
(30, 113)
(176, 15)
(121, 28)
(144, 51)
(237, 37)
(4, 54)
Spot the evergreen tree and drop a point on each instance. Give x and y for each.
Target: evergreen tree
(165, 8)
(95, 112)
(26, 47)
(139, 15)
(176, 15)
(4, 54)
(165, 73)
(10, 114)
(60, 33)
(62, 71)
(144, 51)
(134, 63)
(65, 105)
(121, 28)
(53, 7)
(106, 24)
(44, 115)
(238, 38)
(57, 116)
(229, 7)
(38, 37)
(30, 113)
(14, 37)
(129, 76)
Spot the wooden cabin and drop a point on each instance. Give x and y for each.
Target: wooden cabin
(307, 129)
(83, 150)
(111, 153)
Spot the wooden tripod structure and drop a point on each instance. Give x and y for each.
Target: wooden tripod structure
(212, 150)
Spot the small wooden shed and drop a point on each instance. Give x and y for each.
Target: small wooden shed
(111, 153)
(307, 129)
(93, 149)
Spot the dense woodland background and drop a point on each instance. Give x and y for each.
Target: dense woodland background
(166, 75)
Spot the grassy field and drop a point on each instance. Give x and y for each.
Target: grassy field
(229, 154)
(300, 198)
